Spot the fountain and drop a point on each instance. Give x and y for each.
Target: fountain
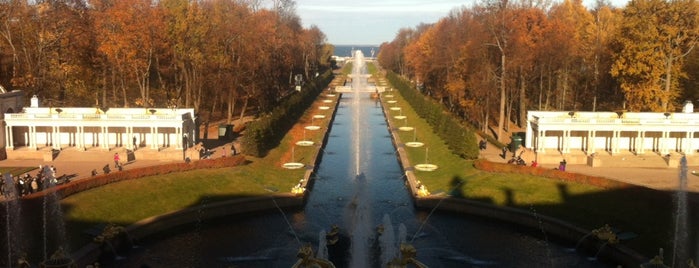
(292, 164)
(426, 166)
(405, 126)
(312, 126)
(681, 239)
(414, 143)
(306, 259)
(12, 211)
(304, 142)
(400, 116)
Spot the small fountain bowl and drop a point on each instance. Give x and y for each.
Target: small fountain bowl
(305, 143)
(395, 108)
(312, 127)
(391, 101)
(318, 116)
(406, 128)
(425, 167)
(327, 101)
(330, 95)
(389, 96)
(293, 165)
(324, 107)
(400, 117)
(414, 144)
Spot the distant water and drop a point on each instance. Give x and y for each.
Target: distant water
(346, 50)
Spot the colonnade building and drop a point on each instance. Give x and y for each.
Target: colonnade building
(32, 130)
(568, 135)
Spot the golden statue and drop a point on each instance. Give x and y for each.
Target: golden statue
(407, 256)
(306, 259)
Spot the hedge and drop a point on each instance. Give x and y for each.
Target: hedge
(267, 131)
(460, 139)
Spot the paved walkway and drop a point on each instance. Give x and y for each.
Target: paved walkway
(655, 178)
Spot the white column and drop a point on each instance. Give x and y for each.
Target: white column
(687, 143)
(57, 134)
(664, 143)
(78, 137)
(33, 139)
(565, 148)
(154, 139)
(8, 136)
(641, 142)
(53, 137)
(615, 141)
(129, 135)
(179, 136)
(105, 138)
(591, 142)
(541, 137)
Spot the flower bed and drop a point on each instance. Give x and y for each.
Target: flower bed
(551, 173)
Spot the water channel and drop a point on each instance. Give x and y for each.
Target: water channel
(359, 186)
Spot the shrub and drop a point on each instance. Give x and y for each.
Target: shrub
(460, 138)
(265, 133)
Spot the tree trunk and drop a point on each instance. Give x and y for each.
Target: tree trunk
(501, 120)
(522, 101)
(245, 107)
(665, 98)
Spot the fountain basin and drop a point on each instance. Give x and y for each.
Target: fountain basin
(305, 143)
(324, 108)
(395, 108)
(327, 101)
(389, 96)
(425, 167)
(414, 144)
(58, 263)
(312, 127)
(293, 165)
(400, 117)
(406, 128)
(391, 101)
(330, 95)
(319, 116)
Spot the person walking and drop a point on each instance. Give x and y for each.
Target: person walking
(116, 160)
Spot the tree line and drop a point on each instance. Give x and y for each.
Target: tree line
(210, 55)
(500, 58)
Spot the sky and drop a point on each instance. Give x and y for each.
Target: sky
(372, 22)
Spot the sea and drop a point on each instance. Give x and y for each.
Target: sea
(346, 50)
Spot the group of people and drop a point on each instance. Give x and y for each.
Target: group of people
(27, 184)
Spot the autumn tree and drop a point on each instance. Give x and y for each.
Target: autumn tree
(654, 38)
(128, 34)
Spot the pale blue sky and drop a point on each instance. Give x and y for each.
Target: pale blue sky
(371, 22)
